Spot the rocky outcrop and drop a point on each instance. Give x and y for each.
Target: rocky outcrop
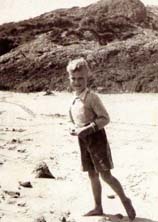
(133, 10)
(118, 38)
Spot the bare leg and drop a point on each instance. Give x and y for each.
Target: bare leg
(116, 186)
(96, 189)
(113, 183)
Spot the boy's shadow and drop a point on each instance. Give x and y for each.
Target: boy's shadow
(109, 218)
(115, 218)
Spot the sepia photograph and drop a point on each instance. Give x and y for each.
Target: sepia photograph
(78, 111)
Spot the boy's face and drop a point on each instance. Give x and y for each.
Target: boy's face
(78, 80)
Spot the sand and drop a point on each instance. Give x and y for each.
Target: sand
(34, 129)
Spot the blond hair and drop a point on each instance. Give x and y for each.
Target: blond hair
(77, 65)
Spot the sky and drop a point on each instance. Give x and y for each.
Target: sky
(16, 10)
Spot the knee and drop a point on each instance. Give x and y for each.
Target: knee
(93, 174)
(106, 176)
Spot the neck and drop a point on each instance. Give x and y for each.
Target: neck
(79, 92)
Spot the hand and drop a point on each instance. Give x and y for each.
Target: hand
(80, 131)
(84, 131)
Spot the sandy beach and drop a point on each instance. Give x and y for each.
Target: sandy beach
(34, 129)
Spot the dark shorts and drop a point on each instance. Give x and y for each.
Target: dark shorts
(95, 152)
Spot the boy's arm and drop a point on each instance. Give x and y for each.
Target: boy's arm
(102, 116)
(84, 131)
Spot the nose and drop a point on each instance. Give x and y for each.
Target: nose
(76, 81)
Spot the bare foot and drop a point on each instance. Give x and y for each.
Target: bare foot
(129, 209)
(95, 212)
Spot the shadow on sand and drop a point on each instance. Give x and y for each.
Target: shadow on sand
(138, 219)
(115, 218)
(111, 218)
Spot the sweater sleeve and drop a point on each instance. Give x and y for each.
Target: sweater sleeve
(102, 116)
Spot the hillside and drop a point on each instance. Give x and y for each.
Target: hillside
(118, 38)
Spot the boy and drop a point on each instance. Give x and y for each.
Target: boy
(89, 117)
